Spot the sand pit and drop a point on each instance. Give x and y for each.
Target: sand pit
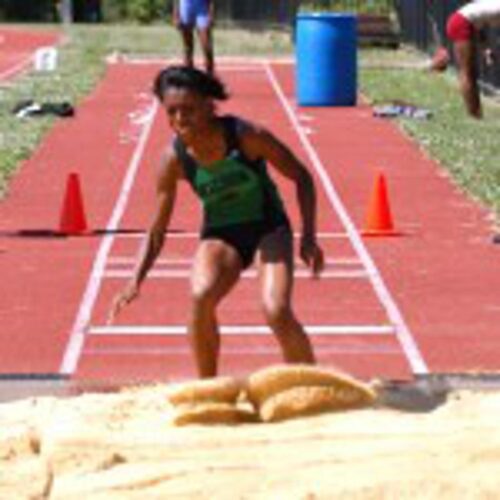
(123, 445)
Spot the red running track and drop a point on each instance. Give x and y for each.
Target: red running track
(418, 304)
(17, 47)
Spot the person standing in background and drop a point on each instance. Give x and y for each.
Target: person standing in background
(195, 15)
(464, 29)
(94, 11)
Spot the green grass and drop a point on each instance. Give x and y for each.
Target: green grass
(360, 6)
(82, 64)
(80, 67)
(469, 149)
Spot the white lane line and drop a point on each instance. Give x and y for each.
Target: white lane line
(181, 235)
(243, 350)
(13, 70)
(250, 274)
(403, 333)
(77, 337)
(180, 330)
(187, 261)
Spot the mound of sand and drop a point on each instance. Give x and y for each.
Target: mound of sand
(123, 446)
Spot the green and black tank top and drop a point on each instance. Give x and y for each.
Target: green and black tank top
(235, 189)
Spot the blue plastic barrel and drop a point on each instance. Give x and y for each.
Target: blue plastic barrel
(326, 59)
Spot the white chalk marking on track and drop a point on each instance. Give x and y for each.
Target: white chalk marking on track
(308, 130)
(186, 261)
(242, 350)
(180, 330)
(194, 235)
(20, 66)
(250, 274)
(77, 336)
(403, 333)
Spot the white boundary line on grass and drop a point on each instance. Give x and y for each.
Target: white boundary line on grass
(223, 61)
(403, 333)
(77, 335)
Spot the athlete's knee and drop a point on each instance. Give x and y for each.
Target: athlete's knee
(277, 313)
(203, 294)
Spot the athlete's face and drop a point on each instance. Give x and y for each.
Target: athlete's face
(188, 112)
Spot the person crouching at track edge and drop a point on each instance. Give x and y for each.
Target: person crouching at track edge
(465, 28)
(224, 160)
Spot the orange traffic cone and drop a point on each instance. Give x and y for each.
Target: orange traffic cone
(73, 220)
(378, 217)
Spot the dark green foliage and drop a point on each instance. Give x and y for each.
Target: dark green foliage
(147, 11)
(362, 6)
(142, 11)
(27, 10)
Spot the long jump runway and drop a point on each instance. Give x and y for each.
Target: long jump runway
(422, 303)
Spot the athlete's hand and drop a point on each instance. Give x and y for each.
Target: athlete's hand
(124, 298)
(312, 255)
(439, 60)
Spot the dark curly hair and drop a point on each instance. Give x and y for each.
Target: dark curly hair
(189, 78)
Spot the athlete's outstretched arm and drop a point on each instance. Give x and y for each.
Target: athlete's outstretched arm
(260, 143)
(166, 194)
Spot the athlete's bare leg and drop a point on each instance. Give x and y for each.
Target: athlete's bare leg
(465, 53)
(205, 37)
(187, 44)
(275, 260)
(216, 269)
